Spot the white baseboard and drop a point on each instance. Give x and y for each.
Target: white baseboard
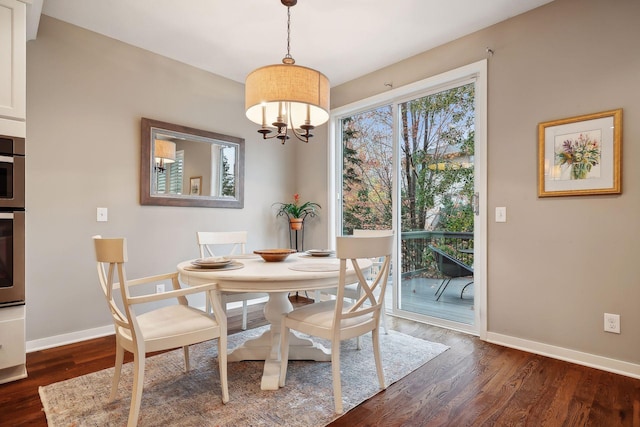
(101, 331)
(581, 358)
(70, 338)
(586, 359)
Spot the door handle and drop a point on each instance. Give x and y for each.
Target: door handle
(475, 203)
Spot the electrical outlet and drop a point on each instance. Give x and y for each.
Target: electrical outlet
(612, 323)
(159, 289)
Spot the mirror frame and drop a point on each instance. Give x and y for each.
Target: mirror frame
(147, 163)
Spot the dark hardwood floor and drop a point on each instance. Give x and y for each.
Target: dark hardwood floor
(471, 384)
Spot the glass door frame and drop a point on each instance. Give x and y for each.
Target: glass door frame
(477, 73)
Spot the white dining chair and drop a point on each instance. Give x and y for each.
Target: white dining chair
(236, 241)
(141, 331)
(353, 291)
(338, 320)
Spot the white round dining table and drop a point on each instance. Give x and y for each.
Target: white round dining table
(250, 273)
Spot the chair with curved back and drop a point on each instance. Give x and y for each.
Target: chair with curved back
(336, 319)
(141, 330)
(237, 240)
(451, 268)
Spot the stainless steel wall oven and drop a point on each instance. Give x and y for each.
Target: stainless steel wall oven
(12, 221)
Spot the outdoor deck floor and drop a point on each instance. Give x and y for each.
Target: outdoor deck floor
(418, 296)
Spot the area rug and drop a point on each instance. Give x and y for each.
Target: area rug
(172, 397)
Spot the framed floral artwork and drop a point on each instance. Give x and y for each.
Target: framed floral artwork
(581, 155)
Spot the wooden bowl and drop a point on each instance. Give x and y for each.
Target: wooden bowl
(274, 255)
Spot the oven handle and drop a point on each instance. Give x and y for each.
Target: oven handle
(6, 159)
(6, 215)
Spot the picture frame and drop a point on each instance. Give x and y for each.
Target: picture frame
(195, 185)
(580, 156)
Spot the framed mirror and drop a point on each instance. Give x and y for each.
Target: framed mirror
(183, 166)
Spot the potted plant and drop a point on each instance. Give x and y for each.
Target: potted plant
(296, 212)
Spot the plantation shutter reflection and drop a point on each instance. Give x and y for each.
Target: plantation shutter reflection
(172, 177)
(176, 174)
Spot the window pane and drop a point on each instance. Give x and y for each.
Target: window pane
(436, 144)
(367, 146)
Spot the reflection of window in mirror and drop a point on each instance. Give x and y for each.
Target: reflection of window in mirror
(228, 184)
(170, 180)
(222, 179)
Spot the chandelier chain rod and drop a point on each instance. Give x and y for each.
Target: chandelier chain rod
(288, 32)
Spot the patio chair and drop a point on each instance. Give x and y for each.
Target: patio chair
(164, 328)
(450, 267)
(336, 320)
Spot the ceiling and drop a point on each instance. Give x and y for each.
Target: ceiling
(344, 39)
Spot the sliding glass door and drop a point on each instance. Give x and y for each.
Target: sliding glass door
(410, 164)
(436, 150)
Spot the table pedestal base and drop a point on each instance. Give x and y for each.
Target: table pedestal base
(267, 346)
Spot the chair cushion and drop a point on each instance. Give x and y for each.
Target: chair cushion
(320, 315)
(171, 322)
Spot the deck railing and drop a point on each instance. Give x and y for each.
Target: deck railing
(416, 257)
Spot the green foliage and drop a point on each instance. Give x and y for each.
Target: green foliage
(437, 134)
(456, 218)
(436, 149)
(228, 179)
(366, 183)
(351, 163)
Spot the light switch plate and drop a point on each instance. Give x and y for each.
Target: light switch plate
(101, 215)
(501, 214)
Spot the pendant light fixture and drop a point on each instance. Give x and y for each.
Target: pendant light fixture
(164, 152)
(285, 97)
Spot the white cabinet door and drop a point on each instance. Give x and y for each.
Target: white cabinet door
(12, 344)
(13, 48)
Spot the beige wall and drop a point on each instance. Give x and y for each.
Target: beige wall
(86, 95)
(553, 269)
(558, 264)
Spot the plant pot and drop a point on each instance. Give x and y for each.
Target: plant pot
(295, 223)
